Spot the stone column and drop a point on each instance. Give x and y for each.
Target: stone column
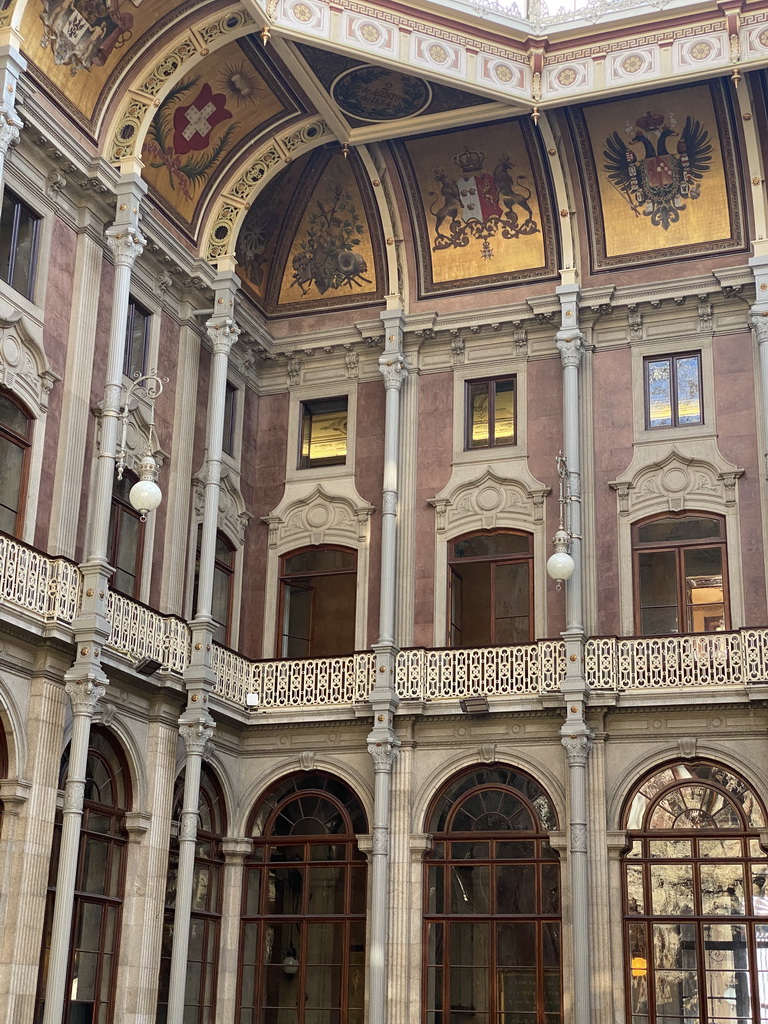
(575, 734)
(85, 681)
(759, 317)
(382, 742)
(196, 724)
(235, 851)
(12, 65)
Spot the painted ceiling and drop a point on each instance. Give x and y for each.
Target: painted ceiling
(304, 138)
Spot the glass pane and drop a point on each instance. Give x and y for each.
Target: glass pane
(727, 972)
(478, 415)
(658, 376)
(324, 433)
(13, 417)
(635, 895)
(94, 876)
(688, 389)
(517, 990)
(704, 589)
(434, 988)
(285, 891)
(23, 267)
(320, 560)
(470, 889)
(512, 603)
(658, 592)
(638, 951)
(550, 944)
(516, 944)
(11, 466)
(491, 545)
(136, 342)
(516, 889)
(759, 893)
(670, 849)
(220, 598)
(470, 851)
(504, 412)
(675, 981)
(84, 968)
(550, 888)
(722, 889)
(326, 890)
(680, 528)
(720, 848)
(200, 887)
(435, 890)
(522, 848)
(7, 218)
(297, 621)
(672, 890)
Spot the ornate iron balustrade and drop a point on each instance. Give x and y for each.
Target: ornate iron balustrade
(49, 589)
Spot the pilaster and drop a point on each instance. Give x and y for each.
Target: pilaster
(235, 851)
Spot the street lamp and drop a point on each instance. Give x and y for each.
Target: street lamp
(560, 565)
(145, 495)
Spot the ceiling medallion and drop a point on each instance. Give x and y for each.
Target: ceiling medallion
(379, 94)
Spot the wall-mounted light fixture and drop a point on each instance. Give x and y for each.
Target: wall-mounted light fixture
(560, 565)
(477, 705)
(145, 495)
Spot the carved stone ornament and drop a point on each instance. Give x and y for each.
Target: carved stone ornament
(319, 517)
(578, 839)
(10, 126)
(577, 748)
(307, 760)
(74, 795)
(24, 368)
(687, 746)
(393, 370)
(84, 694)
(384, 755)
(380, 846)
(233, 515)
(223, 334)
(195, 736)
(487, 752)
(760, 324)
(670, 479)
(188, 825)
(126, 244)
(571, 346)
(352, 359)
(489, 501)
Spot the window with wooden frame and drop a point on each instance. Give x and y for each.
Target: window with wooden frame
(303, 927)
(223, 584)
(492, 918)
(205, 921)
(99, 886)
(126, 538)
(673, 395)
(490, 588)
(318, 599)
(491, 413)
(230, 420)
(695, 898)
(681, 581)
(19, 230)
(15, 440)
(323, 440)
(136, 341)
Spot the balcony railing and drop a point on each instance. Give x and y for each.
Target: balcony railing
(48, 589)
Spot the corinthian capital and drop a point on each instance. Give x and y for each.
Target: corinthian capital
(760, 324)
(195, 736)
(223, 334)
(126, 243)
(10, 127)
(384, 754)
(392, 367)
(84, 694)
(571, 346)
(577, 749)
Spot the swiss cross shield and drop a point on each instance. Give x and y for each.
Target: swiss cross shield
(193, 124)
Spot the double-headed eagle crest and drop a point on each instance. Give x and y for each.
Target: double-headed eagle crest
(656, 183)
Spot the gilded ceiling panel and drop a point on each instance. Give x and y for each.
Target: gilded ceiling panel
(479, 202)
(313, 239)
(205, 118)
(660, 176)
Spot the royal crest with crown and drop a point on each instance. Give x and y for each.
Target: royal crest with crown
(478, 204)
(656, 183)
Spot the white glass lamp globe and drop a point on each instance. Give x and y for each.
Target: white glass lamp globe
(145, 496)
(560, 566)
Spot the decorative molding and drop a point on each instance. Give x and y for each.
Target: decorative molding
(665, 478)
(24, 368)
(318, 517)
(233, 516)
(489, 501)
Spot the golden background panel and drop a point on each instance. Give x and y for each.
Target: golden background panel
(661, 196)
(479, 202)
(204, 117)
(331, 254)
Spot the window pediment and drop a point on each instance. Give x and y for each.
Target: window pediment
(24, 368)
(489, 501)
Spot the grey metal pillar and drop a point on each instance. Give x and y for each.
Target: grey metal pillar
(576, 737)
(383, 742)
(12, 65)
(759, 317)
(86, 680)
(196, 724)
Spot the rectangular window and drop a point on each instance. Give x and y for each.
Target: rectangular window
(673, 391)
(230, 413)
(18, 244)
(323, 433)
(491, 415)
(136, 341)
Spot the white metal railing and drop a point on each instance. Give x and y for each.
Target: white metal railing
(49, 588)
(140, 632)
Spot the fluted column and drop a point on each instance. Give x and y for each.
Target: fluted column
(759, 318)
(234, 852)
(85, 681)
(575, 734)
(383, 751)
(196, 724)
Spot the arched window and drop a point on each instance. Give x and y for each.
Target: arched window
(492, 920)
(126, 538)
(223, 584)
(99, 886)
(302, 945)
(681, 583)
(491, 588)
(318, 596)
(205, 923)
(15, 433)
(695, 898)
